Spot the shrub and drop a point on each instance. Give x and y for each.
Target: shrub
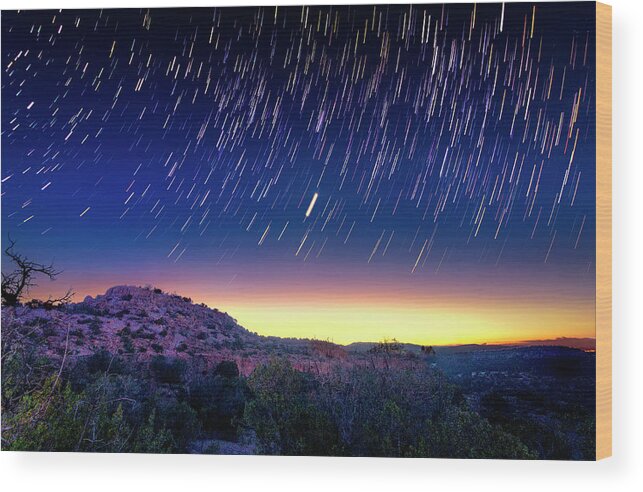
(236, 343)
(180, 419)
(128, 345)
(219, 400)
(328, 349)
(104, 361)
(464, 434)
(145, 335)
(83, 308)
(283, 415)
(167, 370)
(95, 325)
(152, 438)
(227, 369)
(49, 331)
(96, 418)
(77, 333)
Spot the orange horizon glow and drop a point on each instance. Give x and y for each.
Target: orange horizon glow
(365, 313)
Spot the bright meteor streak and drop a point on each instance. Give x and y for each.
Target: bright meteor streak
(312, 204)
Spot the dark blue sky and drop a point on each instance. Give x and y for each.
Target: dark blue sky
(141, 143)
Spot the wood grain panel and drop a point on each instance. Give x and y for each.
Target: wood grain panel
(603, 231)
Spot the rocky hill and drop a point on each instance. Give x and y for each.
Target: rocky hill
(142, 322)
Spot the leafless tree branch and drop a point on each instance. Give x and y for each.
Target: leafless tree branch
(17, 283)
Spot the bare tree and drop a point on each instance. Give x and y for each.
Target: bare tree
(17, 283)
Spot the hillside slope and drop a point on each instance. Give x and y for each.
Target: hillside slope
(142, 322)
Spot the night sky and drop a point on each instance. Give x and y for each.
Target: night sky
(423, 172)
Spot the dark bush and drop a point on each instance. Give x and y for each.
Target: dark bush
(283, 415)
(218, 400)
(49, 331)
(128, 345)
(145, 335)
(83, 308)
(227, 369)
(180, 419)
(167, 370)
(95, 325)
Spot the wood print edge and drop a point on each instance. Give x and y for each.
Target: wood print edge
(603, 231)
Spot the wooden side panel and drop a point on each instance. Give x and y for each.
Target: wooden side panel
(603, 231)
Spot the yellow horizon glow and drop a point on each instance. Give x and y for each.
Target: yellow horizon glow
(349, 314)
(346, 323)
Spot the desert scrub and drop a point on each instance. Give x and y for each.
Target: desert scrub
(365, 411)
(95, 325)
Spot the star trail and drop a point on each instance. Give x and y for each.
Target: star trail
(396, 149)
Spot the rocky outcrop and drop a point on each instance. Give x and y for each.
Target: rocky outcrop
(143, 322)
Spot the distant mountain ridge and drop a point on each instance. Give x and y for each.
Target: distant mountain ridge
(585, 344)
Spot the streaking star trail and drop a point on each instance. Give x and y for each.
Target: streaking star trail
(264, 154)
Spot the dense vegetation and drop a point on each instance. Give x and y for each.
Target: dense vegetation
(121, 402)
(102, 403)
(367, 411)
